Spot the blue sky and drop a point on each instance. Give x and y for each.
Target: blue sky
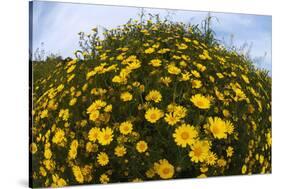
(57, 25)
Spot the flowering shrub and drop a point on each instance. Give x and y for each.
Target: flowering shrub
(150, 101)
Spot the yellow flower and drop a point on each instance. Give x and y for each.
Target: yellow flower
(211, 158)
(52, 105)
(221, 162)
(202, 176)
(78, 93)
(47, 153)
(134, 65)
(153, 115)
(204, 169)
(229, 127)
(225, 113)
(154, 95)
(240, 95)
(120, 57)
(172, 69)
(74, 144)
(49, 164)
(141, 146)
(120, 151)
(96, 105)
(33, 148)
(118, 79)
(195, 73)
(42, 171)
(218, 127)
(150, 172)
(61, 182)
(171, 118)
(155, 62)
(200, 67)
(44, 114)
(105, 136)
(182, 46)
(142, 87)
(186, 39)
(200, 101)
(90, 74)
(71, 62)
(220, 75)
(245, 78)
(103, 158)
(72, 101)
(166, 80)
(185, 134)
(124, 49)
(185, 76)
(124, 73)
(126, 127)
(219, 95)
(71, 68)
(183, 63)
(196, 83)
(58, 137)
(171, 107)
(199, 151)
(90, 147)
(180, 111)
(94, 115)
(60, 87)
(69, 78)
(212, 79)
(269, 139)
(229, 151)
(108, 108)
(104, 179)
(72, 153)
(164, 169)
(64, 114)
(78, 174)
(261, 159)
(149, 50)
(244, 169)
(93, 134)
(126, 96)
(205, 55)
(163, 51)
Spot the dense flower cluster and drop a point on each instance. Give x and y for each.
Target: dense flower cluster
(152, 100)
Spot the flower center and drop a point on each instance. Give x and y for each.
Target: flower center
(216, 129)
(106, 137)
(185, 135)
(142, 146)
(166, 171)
(153, 116)
(126, 128)
(197, 152)
(200, 103)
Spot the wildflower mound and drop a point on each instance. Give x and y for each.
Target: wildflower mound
(149, 101)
